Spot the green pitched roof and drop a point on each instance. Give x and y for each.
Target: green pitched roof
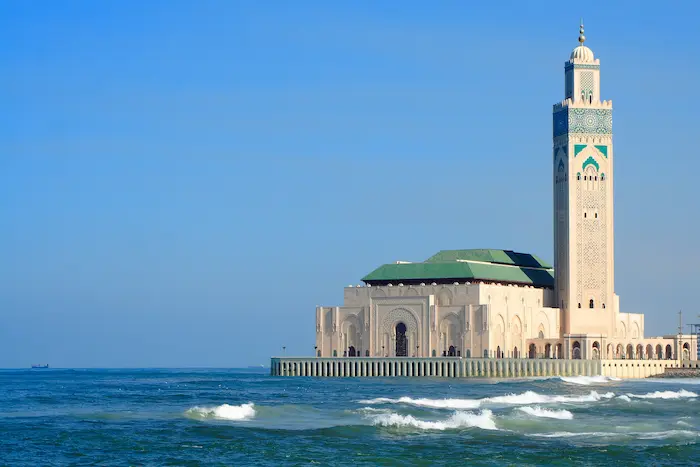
(467, 265)
(491, 256)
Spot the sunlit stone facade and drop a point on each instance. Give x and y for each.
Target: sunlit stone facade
(501, 304)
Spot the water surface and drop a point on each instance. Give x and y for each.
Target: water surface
(245, 417)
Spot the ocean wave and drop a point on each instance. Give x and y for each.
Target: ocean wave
(483, 420)
(624, 398)
(224, 412)
(609, 435)
(525, 398)
(588, 380)
(372, 410)
(432, 403)
(547, 413)
(531, 397)
(682, 394)
(570, 434)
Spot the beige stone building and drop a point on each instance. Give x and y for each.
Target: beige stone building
(503, 304)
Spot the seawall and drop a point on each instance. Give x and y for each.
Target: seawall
(456, 367)
(446, 367)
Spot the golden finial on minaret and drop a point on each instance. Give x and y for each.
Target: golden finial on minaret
(581, 37)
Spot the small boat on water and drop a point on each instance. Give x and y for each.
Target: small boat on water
(40, 366)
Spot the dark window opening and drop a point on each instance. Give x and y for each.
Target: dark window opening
(590, 304)
(579, 305)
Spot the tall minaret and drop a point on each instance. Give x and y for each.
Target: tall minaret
(583, 199)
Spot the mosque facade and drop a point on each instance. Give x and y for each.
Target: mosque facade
(505, 304)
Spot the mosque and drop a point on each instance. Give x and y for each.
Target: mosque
(504, 304)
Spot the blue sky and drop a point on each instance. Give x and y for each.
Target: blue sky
(181, 182)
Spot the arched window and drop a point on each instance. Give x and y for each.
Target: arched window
(596, 215)
(603, 306)
(585, 215)
(585, 178)
(590, 304)
(579, 305)
(602, 177)
(578, 176)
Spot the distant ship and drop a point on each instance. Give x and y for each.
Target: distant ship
(41, 366)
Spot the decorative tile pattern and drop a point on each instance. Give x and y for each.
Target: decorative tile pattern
(587, 82)
(591, 243)
(578, 148)
(603, 150)
(581, 66)
(595, 121)
(582, 121)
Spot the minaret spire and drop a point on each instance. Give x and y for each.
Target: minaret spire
(581, 37)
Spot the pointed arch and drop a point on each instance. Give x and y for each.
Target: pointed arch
(444, 297)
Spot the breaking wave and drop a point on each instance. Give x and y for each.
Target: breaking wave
(531, 397)
(588, 380)
(526, 398)
(682, 394)
(432, 403)
(224, 412)
(483, 420)
(547, 413)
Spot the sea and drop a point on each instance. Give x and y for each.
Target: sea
(228, 417)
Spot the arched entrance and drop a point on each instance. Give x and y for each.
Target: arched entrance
(532, 352)
(558, 351)
(596, 351)
(516, 353)
(401, 341)
(351, 351)
(548, 351)
(686, 351)
(669, 352)
(452, 352)
(576, 351)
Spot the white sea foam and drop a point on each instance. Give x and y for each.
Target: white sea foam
(483, 420)
(569, 434)
(224, 412)
(432, 403)
(668, 434)
(588, 380)
(682, 394)
(531, 397)
(624, 398)
(547, 413)
(525, 398)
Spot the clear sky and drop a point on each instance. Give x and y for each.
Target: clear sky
(183, 182)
